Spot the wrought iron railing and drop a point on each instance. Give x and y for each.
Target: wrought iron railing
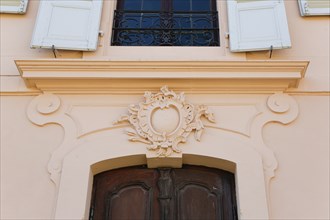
(158, 28)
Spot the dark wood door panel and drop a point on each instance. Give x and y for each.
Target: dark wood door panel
(204, 193)
(196, 202)
(135, 198)
(128, 193)
(190, 193)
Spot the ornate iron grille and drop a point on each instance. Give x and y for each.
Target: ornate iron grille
(158, 28)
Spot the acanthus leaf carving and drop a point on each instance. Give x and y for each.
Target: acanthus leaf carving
(164, 120)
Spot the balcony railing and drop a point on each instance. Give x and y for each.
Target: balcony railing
(159, 28)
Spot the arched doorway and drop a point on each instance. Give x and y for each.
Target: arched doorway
(190, 192)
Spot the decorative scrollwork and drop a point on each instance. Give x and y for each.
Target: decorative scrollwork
(279, 103)
(48, 103)
(136, 28)
(164, 120)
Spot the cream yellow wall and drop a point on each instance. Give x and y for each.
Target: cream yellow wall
(300, 188)
(26, 191)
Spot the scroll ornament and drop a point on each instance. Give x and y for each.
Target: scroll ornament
(164, 120)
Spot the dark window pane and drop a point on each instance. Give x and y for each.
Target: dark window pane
(201, 5)
(181, 5)
(132, 4)
(151, 5)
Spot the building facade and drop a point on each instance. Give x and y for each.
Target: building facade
(92, 86)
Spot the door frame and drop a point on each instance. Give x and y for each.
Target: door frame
(91, 158)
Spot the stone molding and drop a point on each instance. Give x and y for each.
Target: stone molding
(132, 77)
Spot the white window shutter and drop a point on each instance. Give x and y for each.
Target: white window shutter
(257, 25)
(67, 24)
(13, 6)
(314, 7)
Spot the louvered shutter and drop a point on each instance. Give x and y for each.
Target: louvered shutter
(67, 24)
(314, 7)
(257, 25)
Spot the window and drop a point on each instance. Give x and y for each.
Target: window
(166, 23)
(75, 25)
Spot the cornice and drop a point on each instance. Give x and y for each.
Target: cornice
(102, 76)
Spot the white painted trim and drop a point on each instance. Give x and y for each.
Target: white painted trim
(315, 8)
(19, 9)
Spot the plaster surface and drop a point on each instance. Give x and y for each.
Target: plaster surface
(37, 141)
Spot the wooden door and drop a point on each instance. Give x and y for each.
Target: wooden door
(189, 193)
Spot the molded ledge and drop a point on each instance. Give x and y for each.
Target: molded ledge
(98, 76)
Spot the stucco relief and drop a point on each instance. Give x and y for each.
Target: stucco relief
(48, 108)
(153, 114)
(284, 109)
(164, 120)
